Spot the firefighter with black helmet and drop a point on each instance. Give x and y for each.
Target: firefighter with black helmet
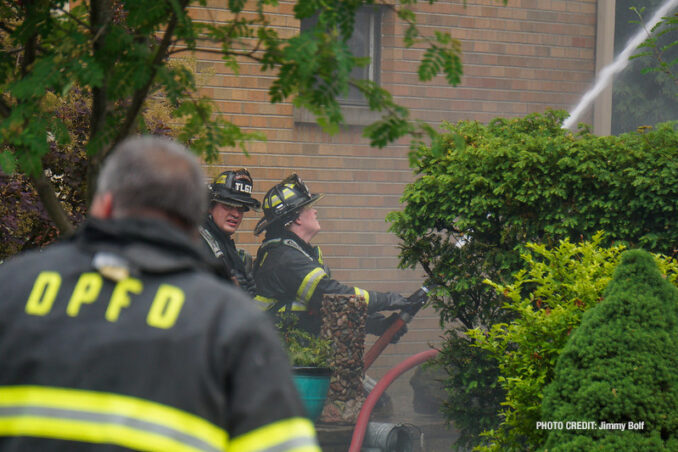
(290, 272)
(122, 337)
(230, 196)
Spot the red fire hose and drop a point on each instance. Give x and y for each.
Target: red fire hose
(417, 300)
(376, 393)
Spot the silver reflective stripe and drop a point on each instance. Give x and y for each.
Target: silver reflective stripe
(9, 412)
(292, 244)
(211, 241)
(292, 444)
(362, 292)
(308, 285)
(264, 303)
(289, 242)
(298, 306)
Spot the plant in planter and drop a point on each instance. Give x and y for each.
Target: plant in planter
(303, 348)
(310, 357)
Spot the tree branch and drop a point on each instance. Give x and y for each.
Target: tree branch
(75, 19)
(42, 185)
(29, 52)
(466, 321)
(249, 54)
(100, 17)
(52, 204)
(142, 93)
(5, 110)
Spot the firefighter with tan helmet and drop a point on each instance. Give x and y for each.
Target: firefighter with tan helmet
(230, 196)
(290, 272)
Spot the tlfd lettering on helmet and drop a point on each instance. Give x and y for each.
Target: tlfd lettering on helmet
(243, 187)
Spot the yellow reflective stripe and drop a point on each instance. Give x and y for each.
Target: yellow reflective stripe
(320, 256)
(296, 306)
(113, 405)
(310, 282)
(75, 430)
(264, 299)
(291, 435)
(287, 193)
(263, 302)
(263, 259)
(365, 294)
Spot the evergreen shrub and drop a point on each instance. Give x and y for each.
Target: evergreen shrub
(548, 297)
(620, 366)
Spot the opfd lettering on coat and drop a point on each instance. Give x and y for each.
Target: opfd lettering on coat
(163, 313)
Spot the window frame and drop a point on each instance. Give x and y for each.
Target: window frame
(356, 110)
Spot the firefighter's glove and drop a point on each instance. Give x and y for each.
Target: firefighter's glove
(246, 259)
(245, 282)
(387, 301)
(396, 302)
(377, 324)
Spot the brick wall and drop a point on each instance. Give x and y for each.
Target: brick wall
(521, 58)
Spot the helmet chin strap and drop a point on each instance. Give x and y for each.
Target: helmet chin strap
(305, 228)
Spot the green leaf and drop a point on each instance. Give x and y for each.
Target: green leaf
(459, 142)
(7, 162)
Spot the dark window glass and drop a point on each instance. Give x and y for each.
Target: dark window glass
(365, 42)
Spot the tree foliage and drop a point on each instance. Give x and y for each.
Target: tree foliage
(548, 296)
(24, 222)
(483, 191)
(116, 53)
(620, 365)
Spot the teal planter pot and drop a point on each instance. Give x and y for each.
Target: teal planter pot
(312, 384)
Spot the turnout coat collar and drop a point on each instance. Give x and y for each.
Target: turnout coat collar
(148, 245)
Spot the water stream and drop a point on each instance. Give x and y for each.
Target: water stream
(619, 63)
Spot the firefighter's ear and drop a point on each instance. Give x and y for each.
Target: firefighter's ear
(102, 206)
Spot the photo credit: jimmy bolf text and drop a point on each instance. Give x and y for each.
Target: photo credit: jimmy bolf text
(589, 425)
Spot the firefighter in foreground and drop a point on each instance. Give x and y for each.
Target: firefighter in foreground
(230, 196)
(121, 337)
(290, 273)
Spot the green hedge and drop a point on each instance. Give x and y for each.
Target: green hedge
(483, 191)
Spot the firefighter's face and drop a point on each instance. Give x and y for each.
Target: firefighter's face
(308, 221)
(228, 218)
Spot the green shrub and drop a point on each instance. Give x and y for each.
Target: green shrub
(548, 296)
(484, 191)
(620, 366)
(303, 349)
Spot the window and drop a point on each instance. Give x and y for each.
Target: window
(365, 42)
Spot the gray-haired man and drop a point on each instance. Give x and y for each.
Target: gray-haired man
(121, 336)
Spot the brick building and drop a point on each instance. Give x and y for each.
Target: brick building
(520, 58)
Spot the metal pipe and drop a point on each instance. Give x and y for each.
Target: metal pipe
(379, 389)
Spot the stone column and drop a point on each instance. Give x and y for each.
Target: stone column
(344, 325)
